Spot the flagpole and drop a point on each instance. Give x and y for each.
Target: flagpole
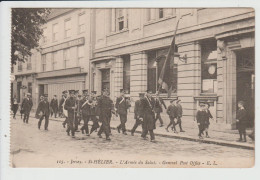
(176, 28)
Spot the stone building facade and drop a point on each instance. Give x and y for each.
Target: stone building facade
(116, 48)
(218, 45)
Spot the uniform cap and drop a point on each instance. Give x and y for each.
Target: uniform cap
(94, 92)
(64, 92)
(84, 91)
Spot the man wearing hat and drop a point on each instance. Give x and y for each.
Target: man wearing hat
(179, 114)
(71, 107)
(62, 103)
(122, 105)
(26, 107)
(77, 112)
(93, 111)
(209, 116)
(137, 112)
(43, 111)
(85, 112)
(148, 116)
(172, 112)
(158, 108)
(201, 117)
(105, 106)
(54, 106)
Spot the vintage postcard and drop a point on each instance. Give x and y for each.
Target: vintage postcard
(132, 87)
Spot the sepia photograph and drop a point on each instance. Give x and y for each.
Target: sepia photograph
(132, 87)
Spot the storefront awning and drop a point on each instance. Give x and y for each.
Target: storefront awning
(102, 58)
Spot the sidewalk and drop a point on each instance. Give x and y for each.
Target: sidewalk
(217, 136)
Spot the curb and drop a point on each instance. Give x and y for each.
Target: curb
(189, 138)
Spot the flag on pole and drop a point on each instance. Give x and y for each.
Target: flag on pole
(165, 80)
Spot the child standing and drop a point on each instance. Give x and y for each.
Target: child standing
(201, 119)
(241, 121)
(172, 112)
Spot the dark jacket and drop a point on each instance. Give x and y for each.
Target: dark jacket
(69, 103)
(209, 116)
(54, 104)
(147, 113)
(179, 110)
(105, 107)
(27, 105)
(137, 110)
(172, 111)
(122, 105)
(202, 117)
(43, 108)
(88, 107)
(158, 105)
(242, 118)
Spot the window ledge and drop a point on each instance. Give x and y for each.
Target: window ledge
(206, 97)
(118, 32)
(159, 20)
(164, 96)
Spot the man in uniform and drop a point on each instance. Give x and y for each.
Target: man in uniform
(71, 106)
(105, 106)
(43, 111)
(77, 112)
(26, 107)
(85, 111)
(147, 106)
(122, 105)
(158, 108)
(62, 104)
(137, 112)
(93, 111)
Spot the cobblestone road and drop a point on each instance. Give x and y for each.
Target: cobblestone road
(31, 147)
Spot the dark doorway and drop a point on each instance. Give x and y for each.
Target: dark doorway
(246, 81)
(106, 79)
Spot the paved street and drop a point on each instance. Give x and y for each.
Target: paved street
(38, 148)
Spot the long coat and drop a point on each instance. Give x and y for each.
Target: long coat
(122, 105)
(242, 119)
(44, 108)
(54, 105)
(105, 106)
(147, 114)
(179, 110)
(69, 103)
(137, 110)
(158, 105)
(27, 105)
(88, 107)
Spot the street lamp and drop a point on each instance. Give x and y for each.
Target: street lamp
(177, 57)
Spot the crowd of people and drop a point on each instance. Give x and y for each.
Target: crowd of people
(88, 107)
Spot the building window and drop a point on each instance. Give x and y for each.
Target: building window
(155, 68)
(44, 62)
(66, 57)
(54, 60)
(82, 26)
(80, 53)
(209, 67)
(29, 63)
(106, 79)
(30, 87)
(67, 28)
(20, 66)
(44, 38)
(54, 32)
(121, 19)
(161, 13)
(126, 74)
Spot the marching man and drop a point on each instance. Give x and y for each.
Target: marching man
(43, 112)
(122, 105)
